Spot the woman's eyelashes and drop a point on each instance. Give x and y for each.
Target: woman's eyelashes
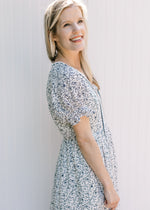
(67, 24)
(80, 21)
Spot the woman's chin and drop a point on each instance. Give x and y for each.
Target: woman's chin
(78, 48)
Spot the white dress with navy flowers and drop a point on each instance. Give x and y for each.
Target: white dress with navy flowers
(70, 95)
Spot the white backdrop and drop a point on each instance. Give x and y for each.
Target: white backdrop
(119, 54)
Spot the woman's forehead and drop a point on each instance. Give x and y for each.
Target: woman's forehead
(70, 13)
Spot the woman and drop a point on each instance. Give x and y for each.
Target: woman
(86, 170)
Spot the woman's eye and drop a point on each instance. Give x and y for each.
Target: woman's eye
(67, 24)
(80, 21)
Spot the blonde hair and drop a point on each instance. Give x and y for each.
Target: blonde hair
(51, 18)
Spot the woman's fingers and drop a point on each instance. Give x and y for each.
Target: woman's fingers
(111, 198)
(111, 205)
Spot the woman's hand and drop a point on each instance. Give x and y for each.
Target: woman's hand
(112, 198)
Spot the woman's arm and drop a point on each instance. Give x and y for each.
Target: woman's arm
(91, 151)
(92, 155)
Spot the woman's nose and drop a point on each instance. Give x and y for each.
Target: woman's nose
(76, 27)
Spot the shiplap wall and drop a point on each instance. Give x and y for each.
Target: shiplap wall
(119, 54)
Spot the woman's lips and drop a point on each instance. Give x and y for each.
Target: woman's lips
(77, 39)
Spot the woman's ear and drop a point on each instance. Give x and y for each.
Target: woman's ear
(54, 37)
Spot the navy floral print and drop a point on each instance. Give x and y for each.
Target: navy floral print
(70, 95)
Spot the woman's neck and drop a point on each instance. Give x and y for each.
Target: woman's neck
(74, 62)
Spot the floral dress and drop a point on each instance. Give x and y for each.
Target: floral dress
(70, 95)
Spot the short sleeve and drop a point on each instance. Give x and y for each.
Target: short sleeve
(71, 96)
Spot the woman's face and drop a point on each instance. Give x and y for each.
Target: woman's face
(70, 30)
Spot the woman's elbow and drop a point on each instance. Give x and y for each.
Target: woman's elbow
(83, 131)
(85, 140)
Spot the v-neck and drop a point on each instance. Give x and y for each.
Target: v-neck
(77, 71)
(92, 85)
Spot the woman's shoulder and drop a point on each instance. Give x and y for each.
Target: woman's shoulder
(61, 70)
(63, 76)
